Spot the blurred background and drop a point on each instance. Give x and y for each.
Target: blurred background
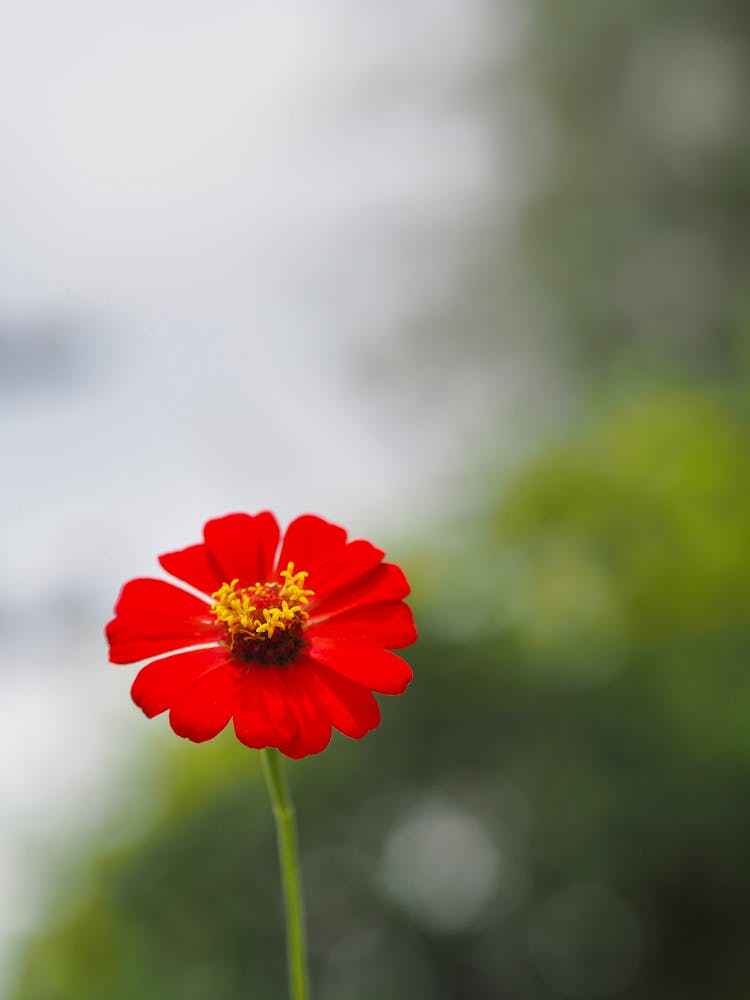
(471, 278)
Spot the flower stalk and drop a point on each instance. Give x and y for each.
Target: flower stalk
(291, 878)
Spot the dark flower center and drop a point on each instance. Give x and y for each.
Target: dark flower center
(264, 623)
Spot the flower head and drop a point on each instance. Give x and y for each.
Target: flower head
(289, 637)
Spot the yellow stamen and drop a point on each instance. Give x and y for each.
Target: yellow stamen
(258, 612)
(294, 584)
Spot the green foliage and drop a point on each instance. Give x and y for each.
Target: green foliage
(642, 523)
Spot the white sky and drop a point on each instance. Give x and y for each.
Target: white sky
(230, 201)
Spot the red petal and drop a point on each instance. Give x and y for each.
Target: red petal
(389, 625)
(160, 683)
(263, 716)
(308, 542)
(384, 583)
(243, 546)
(136, 637)
(194, 565)
(146, 596)
(205, 707)
(314, 726)
(376, 669)
(350, 707)
(268, 543)
(344, 567)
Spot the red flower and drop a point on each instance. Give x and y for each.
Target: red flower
(292, 640)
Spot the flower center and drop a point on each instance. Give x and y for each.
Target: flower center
(264, 622)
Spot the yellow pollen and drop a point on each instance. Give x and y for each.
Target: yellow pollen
(258, 612)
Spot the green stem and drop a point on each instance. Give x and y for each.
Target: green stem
(283, 810)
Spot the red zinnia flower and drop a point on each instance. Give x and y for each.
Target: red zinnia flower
(288, 645)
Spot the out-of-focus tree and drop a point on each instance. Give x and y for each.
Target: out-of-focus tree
(614, 227)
